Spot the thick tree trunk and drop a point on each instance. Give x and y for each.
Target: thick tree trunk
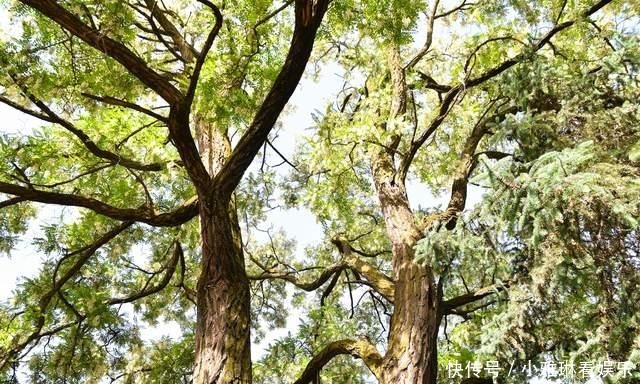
(411, 356)
(223, 349)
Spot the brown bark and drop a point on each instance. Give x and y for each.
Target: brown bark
(411, 356)
(361, 349)
(213, 144)
(412, 342)
(223, 349)
(223, 297)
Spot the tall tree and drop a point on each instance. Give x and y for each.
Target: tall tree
(153, 113)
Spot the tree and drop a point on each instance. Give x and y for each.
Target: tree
(153, 113)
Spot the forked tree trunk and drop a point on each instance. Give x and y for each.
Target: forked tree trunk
(411, 356)
(223, 347)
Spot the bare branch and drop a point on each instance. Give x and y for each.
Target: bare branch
(179, 124)
(310, 285)
(191, 91)
(481, 45)
(431, 18)
(377, 280)
(169, 268)
(96, 168)
(144, 215)
(429, 83)
(125, 104)
(445, 107)
(25, 110)
(11, 202)
(462, 7)
(189, 292)
(284, 159)
(450, 305)
(380, 282)
(273, 14)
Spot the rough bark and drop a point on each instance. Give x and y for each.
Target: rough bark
(411, 356)
(361, 349)
(213, 144)
(223, 298)
(412, 343)
(223, 348)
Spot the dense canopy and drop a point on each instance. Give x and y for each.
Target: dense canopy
(475, 180)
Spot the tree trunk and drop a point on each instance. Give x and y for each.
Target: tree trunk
(223, 344)
(223, 348)
(411, 356)
(412, 353)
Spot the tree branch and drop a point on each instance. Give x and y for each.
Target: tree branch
(50, 116)
(187, 51)
(377, 280)
(493, 72)
(431, 19)
(468, 161)
(125, 104)
(453, 92)
(169, 268)
(83, 255)
(273, 13)
(460, 7)
(25, 110)
(450, 305)
(310, 285)
(179, 216)
(11, 202)
(361, 349)
(308, 16)
(114, 49)
(416, 144)
(191, 91)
